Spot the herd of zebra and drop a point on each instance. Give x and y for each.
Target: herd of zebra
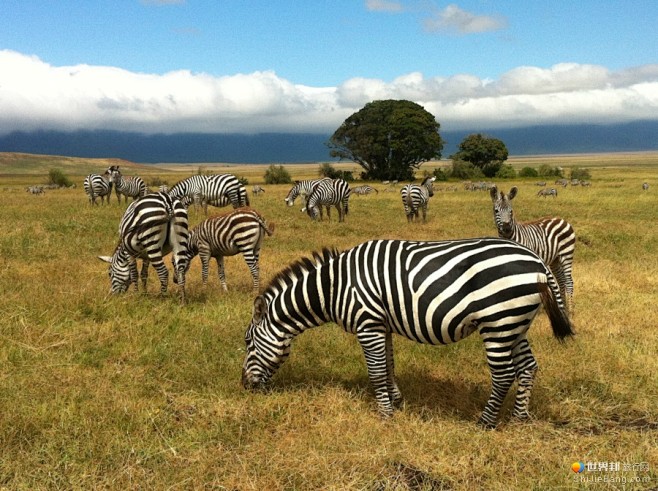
(431, 292)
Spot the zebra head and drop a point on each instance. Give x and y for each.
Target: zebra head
(428, 184)
(292, 194)
(503, 212)
(265, 350)
(119, 271)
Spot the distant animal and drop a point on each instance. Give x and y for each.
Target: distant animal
(222, 190)
(553, 239)
(547, 192)
(332, 192)
(256, 190)
(365, 189)
(189, 187)
(133, 187)
(163, 188)
(645, 186)
(238, 232)
(97, 186)
(303, 189)
(35, 190)
(429, 292)
(150, 228)
(562, 182)
(415, 197)
(540, 183)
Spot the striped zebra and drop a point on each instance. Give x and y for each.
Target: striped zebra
(256, 190)
(365, 189)
(150, 228)
(221, 190)
(189, 187)
(133, 187)
(429, 292)
(98, 186)
(238, 232)
(547, 192)
(415, 197)
(553, 239)
(332, 192)
(304, 189)
(645, 186)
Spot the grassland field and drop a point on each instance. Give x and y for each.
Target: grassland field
(137, 391)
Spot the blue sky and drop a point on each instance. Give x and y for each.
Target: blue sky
(254, 66)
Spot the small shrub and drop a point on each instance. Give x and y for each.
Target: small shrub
(580, 173)
(466, 170)
(528, 172)
(328, 170)
(441, 174)
(546, 170)
(156, 182)
(243, 180)
(506, 172)
(57, 177)
(277, 174)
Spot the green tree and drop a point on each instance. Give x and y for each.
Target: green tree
(482, 151)
(277, 174)
(56, 176)
(388, 138)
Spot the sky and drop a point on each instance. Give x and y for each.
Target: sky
(255, 66)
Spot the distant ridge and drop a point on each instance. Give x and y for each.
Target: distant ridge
(306, 147)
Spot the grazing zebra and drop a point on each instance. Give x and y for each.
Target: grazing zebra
(547, 192)
(189, 187)
(98, 186)
(645, 186)
(150, 228)
(35, 190)
(304, 189)
(163, 188)
(416, 197)
(365, 189)
(429, 292)
(133, 187)
(256, 190)
(238, 232)
(332, 192)
(553, 239)
(221, 190)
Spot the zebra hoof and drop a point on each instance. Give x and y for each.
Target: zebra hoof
(486, 425)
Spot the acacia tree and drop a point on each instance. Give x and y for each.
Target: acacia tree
(388, 138)
(484, 152)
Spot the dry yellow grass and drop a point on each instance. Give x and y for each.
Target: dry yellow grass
(139, 392)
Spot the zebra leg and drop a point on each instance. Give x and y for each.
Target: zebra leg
(222, 273)
(204, 255)
(526, 367)
(565, 280)
(144, 274)
(395, 396)
(163, 274)
(132, 273)
(424, 213)
(502, 371)
(251, 258)
(373, 343)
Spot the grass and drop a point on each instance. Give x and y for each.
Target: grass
(137, 391)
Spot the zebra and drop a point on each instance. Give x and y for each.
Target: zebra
(256, 190)
(221, 190)
(416, 197)
(365, 189)
(98, 186)
(304, 189)
(332, 192)
(189, 187)
(163, 188)
(547, 192)
(553, 239)
(238, 232)
(133, 187)
(150, 228)
(35, 190)
(645, 186)
(429, 292)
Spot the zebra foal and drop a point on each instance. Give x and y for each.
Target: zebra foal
(416, 198)
(363, 190)
(429, 292)
(239, 232)
(150, 228)
(553, 239)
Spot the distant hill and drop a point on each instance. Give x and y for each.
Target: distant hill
(290, 148)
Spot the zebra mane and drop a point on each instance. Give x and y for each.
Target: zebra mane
(297, 268)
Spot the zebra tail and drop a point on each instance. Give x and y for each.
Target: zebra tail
(557, 314)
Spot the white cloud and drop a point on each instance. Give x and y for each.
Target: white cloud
(383, 6)
(36, 95)
(454, 19)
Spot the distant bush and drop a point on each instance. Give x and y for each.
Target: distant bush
(528, 172)
(546, 170)
(466, 170)
(580, 173)
(156, 182)
(277, 174)
(57, 177)
(441, 174)
(328, 170)
(506, 172)
(243, 180)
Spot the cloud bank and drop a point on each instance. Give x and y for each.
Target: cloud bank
(36, 95)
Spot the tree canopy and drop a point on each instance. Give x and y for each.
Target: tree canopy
(388, 138)
(484, 152)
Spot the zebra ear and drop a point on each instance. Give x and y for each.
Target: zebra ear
(512, 192)
(493, 192)
(260, 308)
(107, 259)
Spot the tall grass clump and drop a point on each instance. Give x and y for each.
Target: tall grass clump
(277, 174)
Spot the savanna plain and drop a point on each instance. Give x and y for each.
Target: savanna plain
(138, 391)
